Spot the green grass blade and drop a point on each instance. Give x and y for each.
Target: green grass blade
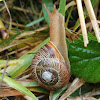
(62, 7)
(25, 62)
(57, 93)
(9, 40)
(69, 15)
(18, 86)
(40, 90)
(91, 37)
(32, 84)
(49, 4)
(35, 22)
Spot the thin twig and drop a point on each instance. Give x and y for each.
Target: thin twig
(2, 76)
(10, 25)
(4, 71)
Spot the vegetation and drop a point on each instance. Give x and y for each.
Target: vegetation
(24, 28)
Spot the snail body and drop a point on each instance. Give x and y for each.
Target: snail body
(50, 65)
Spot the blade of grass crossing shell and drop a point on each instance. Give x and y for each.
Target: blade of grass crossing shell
(26, 60)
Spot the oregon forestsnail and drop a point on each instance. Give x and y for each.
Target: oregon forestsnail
(51, 67)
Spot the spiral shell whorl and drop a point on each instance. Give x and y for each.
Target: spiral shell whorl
(49, 60)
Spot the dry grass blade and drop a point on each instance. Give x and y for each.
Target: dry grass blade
(10, 25)
(82, 22)
(50, 96)
(87, 96)
(82, 98)
(32, 32)
(16, 24)
(95, 92)
(93, 18)
(7, 47)
(72, 3)
(27, 97)
(21, 9)
(9, 92)
(3, 96)
(80, 30)
(11, 62)
(98, 21)
(73, 87)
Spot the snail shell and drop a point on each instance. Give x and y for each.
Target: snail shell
(49, 68)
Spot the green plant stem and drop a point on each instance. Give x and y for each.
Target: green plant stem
(69, 15)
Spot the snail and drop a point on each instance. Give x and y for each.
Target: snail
(50, 64)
